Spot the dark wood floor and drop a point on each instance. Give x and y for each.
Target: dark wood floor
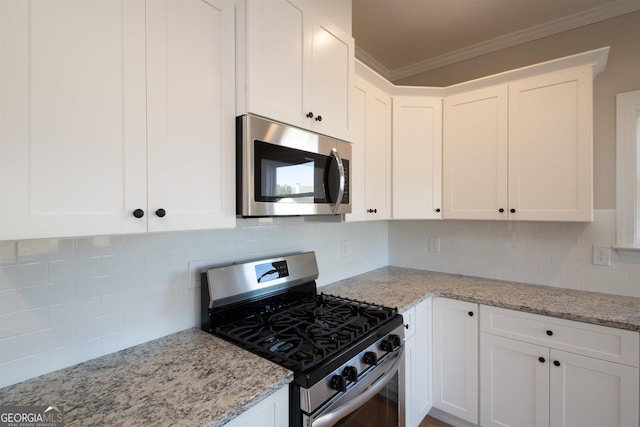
(432, 422)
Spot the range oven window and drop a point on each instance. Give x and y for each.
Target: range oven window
(284, 174)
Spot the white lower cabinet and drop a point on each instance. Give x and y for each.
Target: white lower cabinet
(417, 372)
(273, 411)
(529, 379)
(455, 358)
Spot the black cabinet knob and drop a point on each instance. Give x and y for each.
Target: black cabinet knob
(406, 326)
(470, 314)
(556, 363)
(370, 358)
(319, 119)
(550, 332)
(310, 115)
(138, 213)
(541, 359)
(351, 373)
(339, 382)
(438, 210)
(500, 210)
(512, 210)
(161, 213)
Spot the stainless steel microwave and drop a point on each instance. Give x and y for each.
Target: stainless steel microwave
(287, 171)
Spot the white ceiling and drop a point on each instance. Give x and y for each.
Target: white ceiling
(400, 38)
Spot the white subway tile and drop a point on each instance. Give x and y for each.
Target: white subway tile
(16, 276)
(99, 245)
(24, 368)
(44, 340)
(121, 263)
(99, 326)
(8, 349)
(72, 354)
(44, 295)
(8, 253)
(74, 268)
(67, 314)
(8, 301)
(22, 322)
(98, 286)
(44, 249)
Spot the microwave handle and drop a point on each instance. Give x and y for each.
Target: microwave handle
(336, 156)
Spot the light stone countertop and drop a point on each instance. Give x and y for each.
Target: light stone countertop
(405, 287)
(189, 378)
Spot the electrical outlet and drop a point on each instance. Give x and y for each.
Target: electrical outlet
(434, 244)
(344, 248)
(602, 255)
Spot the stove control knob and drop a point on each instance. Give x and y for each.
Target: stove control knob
(395, 340)
(339, 382)
(370, 358)
(351, 372)
(387, 345)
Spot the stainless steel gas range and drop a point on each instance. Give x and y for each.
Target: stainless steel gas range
(345, 354)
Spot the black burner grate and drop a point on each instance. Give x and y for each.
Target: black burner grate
(303, 333)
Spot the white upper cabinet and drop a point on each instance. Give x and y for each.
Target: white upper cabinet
(77, 154)
(417, 155)
(294, 66)
(475, 154)
(550, 147)
(190, 116)
(519, 145)
(371, 154)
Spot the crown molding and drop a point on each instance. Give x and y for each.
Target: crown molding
(371, 62)
(587, 17)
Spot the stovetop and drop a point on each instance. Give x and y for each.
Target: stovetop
(303, 333)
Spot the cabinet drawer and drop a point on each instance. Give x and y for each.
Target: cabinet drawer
(616, 345)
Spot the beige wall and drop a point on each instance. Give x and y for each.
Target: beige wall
(622, 74)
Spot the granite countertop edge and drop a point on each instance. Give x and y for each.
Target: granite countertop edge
(406, 287)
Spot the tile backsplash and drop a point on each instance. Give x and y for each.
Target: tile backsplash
(545, 253)
(65, 301)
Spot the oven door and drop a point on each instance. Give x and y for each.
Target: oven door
(373, 400)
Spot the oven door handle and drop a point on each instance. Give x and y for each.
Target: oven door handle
(332, 417)
(341, 182)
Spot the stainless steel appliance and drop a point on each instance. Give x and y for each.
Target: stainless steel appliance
(286, 171)
(345, 354)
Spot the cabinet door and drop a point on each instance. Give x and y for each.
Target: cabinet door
(332, 60)
(273, 411)
(455, 358)
(277, 60)
(72, 118)
(417, 157)
(475, 154)
(589, 392)
(514, 381)
(421, 400)
(371, 170)
(357, 173)
(191, 126)
(550, 146)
